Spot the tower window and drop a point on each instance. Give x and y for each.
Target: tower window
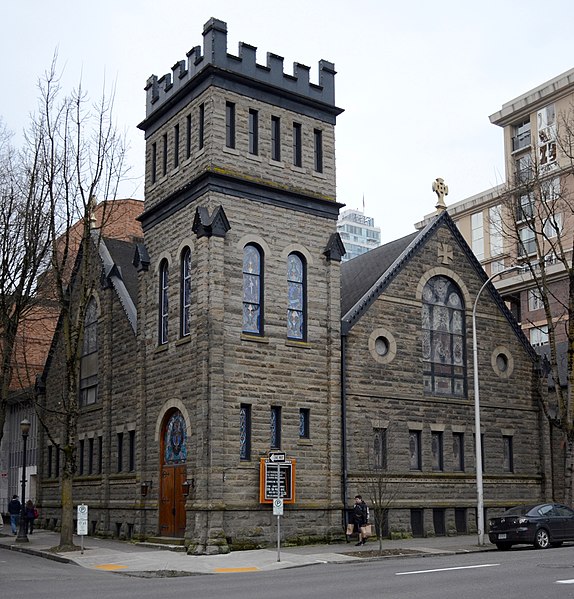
(185, 293)
(252, 290)
(318, 139)
(176, 146)
(297, 145)
(275, 427)
(153, 162)
(164, 157)
(296, 301)
(201, 125)
(253, 132)
(230, 124)
(245, 432)
(188, 136)
(163, 301)
(275, 138)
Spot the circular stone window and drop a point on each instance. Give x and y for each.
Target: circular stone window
(502, 362)
(382, 346)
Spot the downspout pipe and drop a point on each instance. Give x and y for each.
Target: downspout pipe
(344, 464)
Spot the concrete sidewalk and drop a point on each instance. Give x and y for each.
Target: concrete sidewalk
(143, 560)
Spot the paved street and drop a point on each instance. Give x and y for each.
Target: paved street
(522, 573)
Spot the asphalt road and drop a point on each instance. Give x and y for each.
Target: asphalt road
(517, 574)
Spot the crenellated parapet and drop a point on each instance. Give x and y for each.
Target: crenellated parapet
(164, 89)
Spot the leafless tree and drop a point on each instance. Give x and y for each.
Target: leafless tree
(82, 158)
(24, 245)
(380, 489)
(537, 221)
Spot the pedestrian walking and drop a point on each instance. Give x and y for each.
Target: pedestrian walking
(30, 514)
(14, 509)
(360, 518)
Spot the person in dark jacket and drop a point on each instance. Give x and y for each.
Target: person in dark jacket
(14, 509)
(360, 517)
(30, 513)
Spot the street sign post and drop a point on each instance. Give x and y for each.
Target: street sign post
(82, 518)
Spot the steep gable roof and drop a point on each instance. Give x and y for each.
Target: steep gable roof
(364, 278)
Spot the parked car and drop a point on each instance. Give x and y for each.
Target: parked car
(543, 525)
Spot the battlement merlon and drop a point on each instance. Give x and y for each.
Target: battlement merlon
(163, 89)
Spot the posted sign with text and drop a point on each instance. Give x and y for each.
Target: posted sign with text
(273, 473)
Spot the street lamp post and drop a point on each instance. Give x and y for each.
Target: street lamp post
(22, 533)
(477, 438)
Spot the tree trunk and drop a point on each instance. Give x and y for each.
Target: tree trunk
(67, 523)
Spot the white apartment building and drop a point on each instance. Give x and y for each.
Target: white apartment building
(358, 232)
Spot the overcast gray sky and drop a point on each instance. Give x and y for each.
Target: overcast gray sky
(417, 79)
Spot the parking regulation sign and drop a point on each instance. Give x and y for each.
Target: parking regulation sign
(82, 519)
(278, 506)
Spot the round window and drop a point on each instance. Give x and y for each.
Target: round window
(382, 346)
(502, 362)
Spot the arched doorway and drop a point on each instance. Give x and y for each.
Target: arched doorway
(173, 475)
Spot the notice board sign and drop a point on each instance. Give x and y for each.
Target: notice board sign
(268, 471)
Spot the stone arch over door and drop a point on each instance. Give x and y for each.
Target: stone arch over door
(173, 474)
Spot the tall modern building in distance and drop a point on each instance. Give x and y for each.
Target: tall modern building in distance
(358, 233)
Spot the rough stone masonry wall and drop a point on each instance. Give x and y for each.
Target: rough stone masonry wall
(390, 395)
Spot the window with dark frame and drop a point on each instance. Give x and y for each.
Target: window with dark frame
(163, 302)
(91, 455)
(201, 125)
(245, 432)
(415, 452)
(188, 136)
(50, 458)
(185, 293)
(508, 453)
(164, 156)
(437, 451)
(153, 162)
(297, 145)
(275, 138)
(100, 454)
(81, 457)
(57, 467)
(176, 146)
(304, 423)
(230, 124)
(253, 131)
(131, 450)
(120, 440)
(275, 426)
(380, 448)
(458, 451)
(318, 145)
(89, 357)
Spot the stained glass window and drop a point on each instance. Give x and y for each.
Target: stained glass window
(275, 427)
(296, 297)
(304, 423)
(245, 432)
(443, 334)
(89, 359)
(175, 451)
(163, 301)
(185, 292)
(252, 290)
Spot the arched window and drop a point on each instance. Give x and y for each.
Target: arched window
(185, 293)
(443, 334)
(252, 289)
(296, 297)
(89, 359)
(163, 301)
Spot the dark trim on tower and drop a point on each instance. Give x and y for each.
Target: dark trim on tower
(212, 182)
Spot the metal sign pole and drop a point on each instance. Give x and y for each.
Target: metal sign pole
(278, 516)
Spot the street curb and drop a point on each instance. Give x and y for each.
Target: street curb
(45, 554)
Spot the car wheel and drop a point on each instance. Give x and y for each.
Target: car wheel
(542, 539)
(556, 544)
(503, 546)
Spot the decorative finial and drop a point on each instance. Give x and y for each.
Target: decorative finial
(441, 190)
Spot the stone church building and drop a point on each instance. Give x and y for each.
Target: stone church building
(232, 330)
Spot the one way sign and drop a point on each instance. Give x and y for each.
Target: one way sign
(276, 456)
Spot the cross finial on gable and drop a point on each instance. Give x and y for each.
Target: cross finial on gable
(441, 190)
